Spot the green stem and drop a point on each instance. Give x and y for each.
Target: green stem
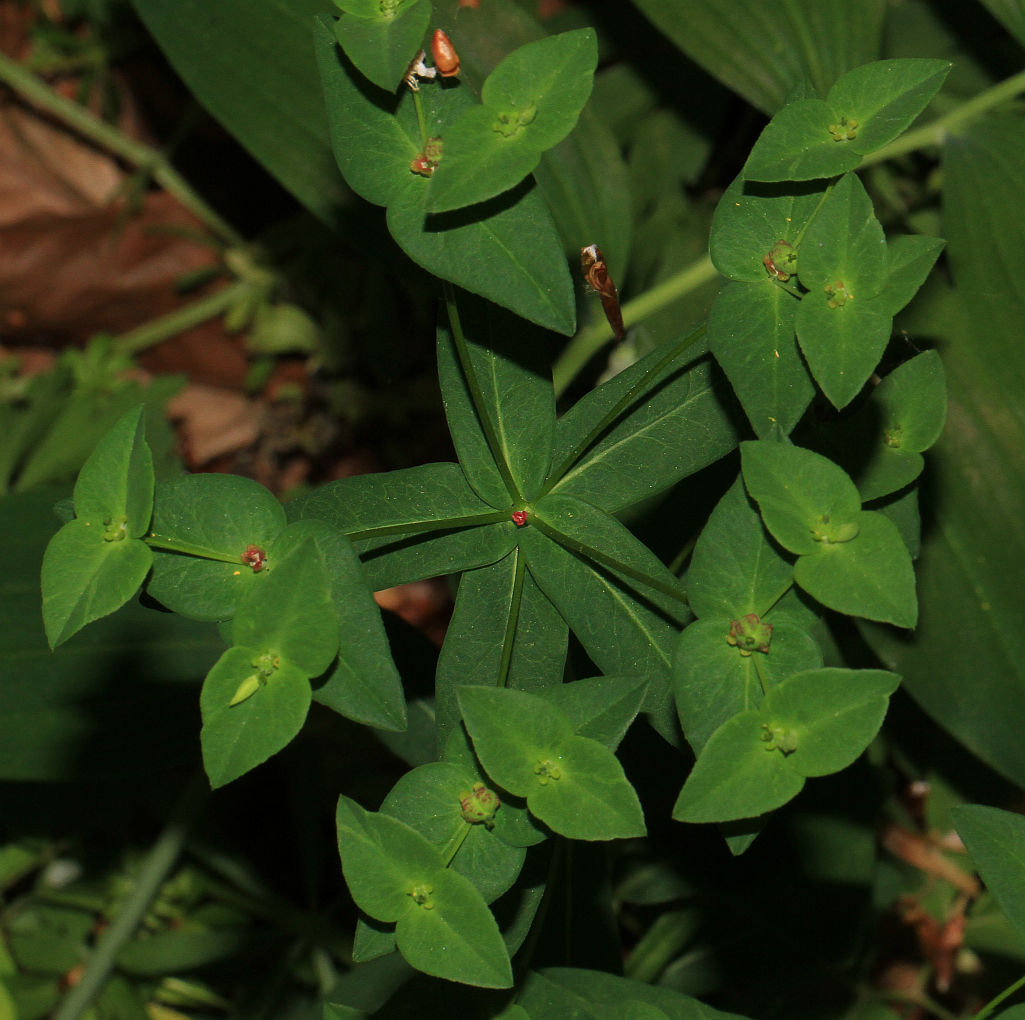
(591, 339)
(39, 94)
(596, 556)
(936, 132)
(477, 394)
(157, 330)
(156, 866)
(673, 352)
(423, 527)
(993, 1003)
(508, 639)
(449, 853)
(418, 105)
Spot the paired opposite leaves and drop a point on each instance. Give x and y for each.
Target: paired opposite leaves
(866, 108)
(572, 783)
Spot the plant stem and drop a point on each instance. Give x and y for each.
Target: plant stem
(993, 1003)
(934, 133)
(35, 91)
(516, 605)
(166, 326)
(591, 339)
(477, 394)
(189, 549)
(156, 866)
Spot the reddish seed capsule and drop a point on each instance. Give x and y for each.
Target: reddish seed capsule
(254, 557)
(446, 60)
(519, 517)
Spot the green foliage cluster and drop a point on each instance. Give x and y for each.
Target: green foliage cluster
(728, 655)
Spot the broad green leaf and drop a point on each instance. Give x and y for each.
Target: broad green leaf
(531, 101)
(601, 708)
(713, 681)
(735, 568)
(506, 251)
(248, 62)
(870, 576)
(751, 334)
(885, 97)
(964, 662)
(833, 713)
(382, 47)
(996, 841)
(866, 108)
(504, 632)
(910, 260)
(601, 539)
(363, 683)
(620, 632)
(737, 775)
(237, 738)
(842, 326)
(681, 421)
(115, 484)
(96, 562)
(511, 365)
(85, 577)
(762, 51)
(454, 935)
(216, 518)
(913, 403)
(382, 860)
(804, 498)
(750, 222)
(573, 784)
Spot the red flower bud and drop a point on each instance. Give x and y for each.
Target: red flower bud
(446, 60)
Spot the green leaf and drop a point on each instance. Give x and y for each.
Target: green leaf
(215, 518)
(804, 498)
(602, 540)
(996, 841)
(964, 662)
(735, 569)
(601, 708)
(834, 713)
(382, 47)
(572, 783)
(865, 109)
(763, 52)
(911, 258)
(362, 683)
(511, 365)
(424, 521)
(681, 421)
(621, 632)
(869, 576)
(503, 632)
(85, 577)
(751, 334)
(248, 63)
(238, 737)
(842, 325)
(96, 562)
(531, 101)
(382, 860)
(506, 250)
(457, 937)
(737, 775)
